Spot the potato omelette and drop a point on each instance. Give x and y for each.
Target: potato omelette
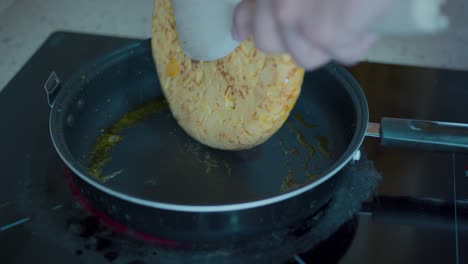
(237, 102)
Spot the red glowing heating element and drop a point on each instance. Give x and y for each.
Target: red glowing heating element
(111, 223)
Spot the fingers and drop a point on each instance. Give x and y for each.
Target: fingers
(303, 52)
(265, 28)
(271, 23)
(255, 18)
(242, 20)
(313, 32)
(288, 11)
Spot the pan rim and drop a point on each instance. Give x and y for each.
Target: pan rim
(337, 71)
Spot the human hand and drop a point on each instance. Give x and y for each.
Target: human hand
(313, 32)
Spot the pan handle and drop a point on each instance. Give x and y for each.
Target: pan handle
(420, 134)
(52, 87)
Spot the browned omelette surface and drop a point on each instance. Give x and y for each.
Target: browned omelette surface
(237, 102)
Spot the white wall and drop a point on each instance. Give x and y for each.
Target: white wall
(446, 50)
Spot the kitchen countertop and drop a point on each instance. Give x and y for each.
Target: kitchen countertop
(25, 24)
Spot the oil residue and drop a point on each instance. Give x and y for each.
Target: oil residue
(300, 118)
(228, 168)
(301, 139)
(205, 158)
(289, 182)
(100, 153)
(210, 163)
(323, 146)
(287, 150)
(310, 176)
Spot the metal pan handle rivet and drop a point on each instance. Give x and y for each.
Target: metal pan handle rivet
(52, 87)
(356, 156)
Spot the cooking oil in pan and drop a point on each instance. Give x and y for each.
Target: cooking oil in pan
(300, 118)
(101, 151)
(322, 142)
(301, 149)
(290, 181)
(100, 154)
(209, 161)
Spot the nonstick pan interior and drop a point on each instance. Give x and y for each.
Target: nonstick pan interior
(157, 161)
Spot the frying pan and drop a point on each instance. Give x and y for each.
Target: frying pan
(166, 184)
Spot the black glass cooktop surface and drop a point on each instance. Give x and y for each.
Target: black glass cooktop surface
(418, 214)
